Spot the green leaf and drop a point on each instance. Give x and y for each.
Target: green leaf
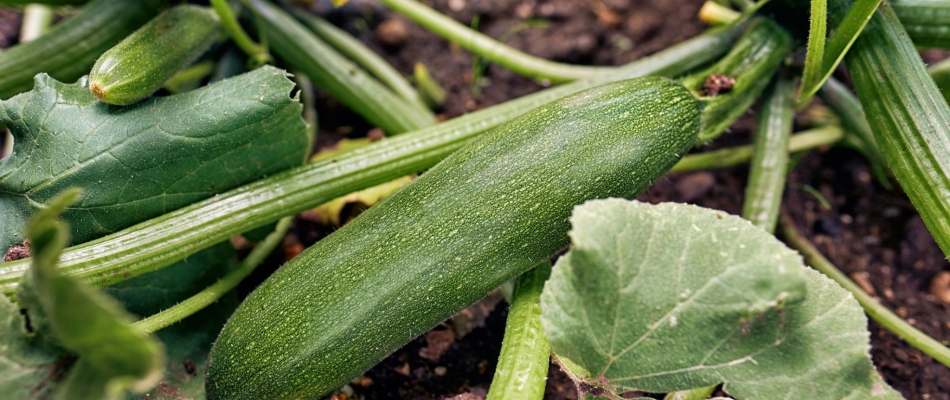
(138, 162)
(114, 357)
(845, 35)
(672, 297)
(29, 367)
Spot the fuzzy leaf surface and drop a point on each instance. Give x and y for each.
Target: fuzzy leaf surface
(671, 297)
(144, 160)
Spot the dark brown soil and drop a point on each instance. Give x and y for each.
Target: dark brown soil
(870, 233)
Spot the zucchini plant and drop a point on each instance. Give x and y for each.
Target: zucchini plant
(168, 148)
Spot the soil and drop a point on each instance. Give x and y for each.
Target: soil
(870, 233)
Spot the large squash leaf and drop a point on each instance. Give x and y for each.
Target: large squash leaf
(141, 161)
(671, 297)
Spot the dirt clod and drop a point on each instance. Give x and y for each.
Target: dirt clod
(190, 367)
(18, 252)
(717, 84)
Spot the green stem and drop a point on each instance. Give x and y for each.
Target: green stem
(525, 351)
(37, 19)
(231, 26)
(815, 51)
(224, 285)
(362, 55)
(717, 14)
(189, 78)
(499, 53)
(336, 74)
(728, 157)
(751, 62)
(837, 96)
(702, 393)
(159, 242)
(875, 310)
(763, 194)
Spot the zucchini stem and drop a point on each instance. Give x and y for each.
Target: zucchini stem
(258, 53)
(728, 157)
(491, 49)
(363, 56)
(525, 352)
(37, 19)
(224, 285)
(769, 167)
(875, 310)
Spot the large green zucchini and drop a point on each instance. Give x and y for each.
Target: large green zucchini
(484, 215)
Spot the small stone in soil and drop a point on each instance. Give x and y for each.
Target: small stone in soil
(375, 134)
(940, 286)
(392, 32)
(440, 371)
(438, 343)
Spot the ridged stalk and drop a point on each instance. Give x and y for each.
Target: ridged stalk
(69, 50)
(751, 62)
(908, 114)
(731, 156)
(926, 21)
(162, 241)
(525, 352)
(769, 166)
(337, 75)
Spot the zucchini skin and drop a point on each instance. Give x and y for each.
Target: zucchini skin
(926, 21)
(71, 48)
(907, 112)
(486, 214)
(142, 62)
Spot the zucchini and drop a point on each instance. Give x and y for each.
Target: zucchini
(140, 64)
(70, 49)
(906, 111)
(926, 21)
(486, 214)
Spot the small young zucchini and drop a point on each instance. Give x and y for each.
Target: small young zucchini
(140, 64)
(67, 51)
(486, 214)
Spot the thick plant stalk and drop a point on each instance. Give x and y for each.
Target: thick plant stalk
(515, 60)
(875, 310)
(37, 19)
(926, 21)
(751, 63)
(906, 111)
(362, 55)
(336, 74)
(940, 72)
(763, 194)
(160, 242)
(525, 352)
